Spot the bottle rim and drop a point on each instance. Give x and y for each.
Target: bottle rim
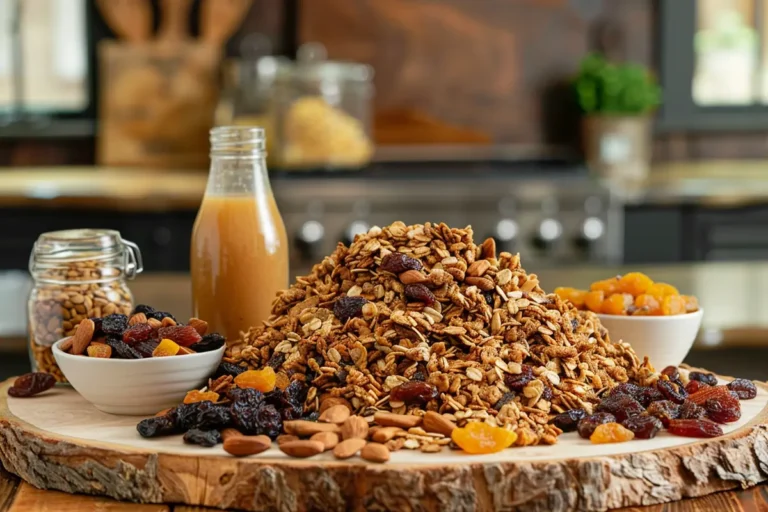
(238, 141)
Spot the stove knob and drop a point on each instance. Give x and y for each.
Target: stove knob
(592, 229)
(310, 239)
(506, 234)
(548, 233)
(356, 228)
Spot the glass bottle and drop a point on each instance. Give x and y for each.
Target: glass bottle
(77, 274)
(239, 250)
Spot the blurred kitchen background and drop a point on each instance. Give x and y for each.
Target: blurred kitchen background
(535, 121)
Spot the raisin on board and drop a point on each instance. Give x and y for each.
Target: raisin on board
(31, 384)
(420, 293)
(397, 263)
(745, 389)
(621, 406)
(694, 386)
(626, 388)
(694, 428)
(136, 333)
(691, 411)
(644, 427)
(588, 424)
(204, 415)
(517, 381)
(672, 372)
(114, 324)
(671, 391)
(122, 350)
(706, 378)
(348, 307)
(723, 410)
(205, 438)
(225, 368)
(157, 426)
(664, 410)
(413, 392)
(568, 421)
(209, 343)
(648, 395)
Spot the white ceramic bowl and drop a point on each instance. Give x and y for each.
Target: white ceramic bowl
(141, 386)
(666, 340)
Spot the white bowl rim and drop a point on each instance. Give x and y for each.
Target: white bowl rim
(145, 361)
(655, 318)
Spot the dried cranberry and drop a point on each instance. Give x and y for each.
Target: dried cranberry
(397, 263)
(694, 428)
(621, 406)
(694, 386)
(588, 424)
(31, 384)
(420, 293)
(184, 335)
(517, 381)
(745, 389)
(209, 343)
(122, 350)
(413, 392)
(672, 372)
(723, 410)
(569, 420)
(671, 391)
(348, 307)
(691, 411)
(136, 333)
(114, 324)
(157, 426)
(706, 378)
(664, 410)
(644, 427)
(205, 438)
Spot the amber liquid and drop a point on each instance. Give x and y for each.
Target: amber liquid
(239, 261)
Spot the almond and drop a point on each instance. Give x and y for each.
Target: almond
(375, 452)
(336, 414)
(435, 422)
(478, 268)
(413, 277)
(348, 448)
(355, 426)
(168, 322)
(384, 434)
(138, 318)
(154, 323)
(483, 283)
(66, 345)
(330, 401)
(284, 438)
(83, 336)
(389, 419)
(302, 449)
(329, 439)
(184, 350)
(201, 326)
(240, 445)
(304, 428)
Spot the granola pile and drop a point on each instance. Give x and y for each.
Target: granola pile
(470, 323)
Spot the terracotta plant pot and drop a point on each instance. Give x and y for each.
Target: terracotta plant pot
(618, 147)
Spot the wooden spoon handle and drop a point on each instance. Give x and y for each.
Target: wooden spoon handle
(220, 19)
(128, 19)
(174, 20)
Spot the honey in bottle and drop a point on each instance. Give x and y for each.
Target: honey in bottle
(239, 252)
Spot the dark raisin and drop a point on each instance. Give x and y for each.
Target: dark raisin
(114, 324)
(137, 333)
(672, 372)
(313, 416)
(547, 393)
(145, 348)
(348, 307)
(694, 428)
(277, 360)
(568, 421)
(203, 415)
(296, 391)
(143, 308)
(707, 378)
(504, 400)
(626, 388)
(517, 381)
(694, 386)
(664, 410)
(420, 374)
(745, 389)
(691, 411)
(122, 350)
(159, 315)
(648, 395)
(489, 297)
(644, 427)
(228, 369)
(671, 391)
(621, 406)
(209, 343)
(31, 384)
(420, 293)
(413, 392)
(397, 263)
(157, 426)
(588, 424)
(97, 330)
(205, 438)
(723, 410)
(341, 376)
(256, 420)
(574, 324)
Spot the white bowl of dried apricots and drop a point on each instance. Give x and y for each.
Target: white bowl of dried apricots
(138, 365)
(654, 318)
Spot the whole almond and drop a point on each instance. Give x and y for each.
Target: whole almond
(328, 402)
(154, 323)
(304, 428)
(413, 277)
(384, 434)
(348, 448)
(354, 426)
(138, 318)
(201, 326)
(83, 336)
(302, 449)
(436, 422)
(285, 438)
(478, 268)
(336, 414)
(483, 283)
(329, 439)
(389, 419)
(375, 452)
(168, 322)
(239, 445)
(184, 350)
(66, 345)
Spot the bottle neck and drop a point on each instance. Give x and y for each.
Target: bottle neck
(238, 162)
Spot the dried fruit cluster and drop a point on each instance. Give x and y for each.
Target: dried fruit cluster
(146, 333)
(411, 319)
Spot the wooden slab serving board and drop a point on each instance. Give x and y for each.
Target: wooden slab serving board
(59, 441)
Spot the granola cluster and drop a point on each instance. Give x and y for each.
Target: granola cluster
(470, 323)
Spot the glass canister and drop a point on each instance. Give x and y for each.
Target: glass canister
(239, 250)
(323, 113)
(77, 274)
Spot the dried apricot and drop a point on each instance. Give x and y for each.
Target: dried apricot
(478, 438)
(672, 305)
(616, 304)
(199, 396)
(647, 305)
(635, 283)
(607, 286)
(611, 433)
(661, 290)
(691, 303)
(99, 350)
(166, 348)
(262, 380)
(594, 300)
(572, 294)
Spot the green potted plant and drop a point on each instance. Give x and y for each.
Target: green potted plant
(617, 101)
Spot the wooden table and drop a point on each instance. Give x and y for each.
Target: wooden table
(18, 496)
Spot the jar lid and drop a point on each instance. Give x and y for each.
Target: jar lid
(312, 64)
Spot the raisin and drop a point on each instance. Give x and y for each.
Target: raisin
(707, 378)
(420, 374)
(31, 384)
(114, 324)
(694, 428)
(621, 406)
(648, 395)
(644, 427)
(723, 410)
(517, 381)
(397, 263)
(122, 350)
(671, 391)
(489, 297)
(420, 293)
(200, 396)
(264, 420)
(348, 307)
(143, 308)
(588, 424)
(626, 388)
(203, 415)
(664, 410)
(477, 437)
(313, 416)
(228, 369)
(504, 400)
(691, 411)
(209, 343)
(145, 348)
(413, 392)
(205, 438)
(568, 421)
(611, 433)
(672, 372)
(745, 389)
(694, 386)
(705, 394)
(277, 360)
(97, 330)
(261, 380)
(296, 391)
(248, 396)
(547, 393)
(137, 333)
(184, 335)
(157, 426)
(159, 315)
